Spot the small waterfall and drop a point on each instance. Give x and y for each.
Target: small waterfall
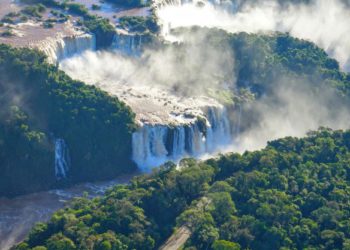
(61, 48)
(154, 145)
(61, 159)
(127, 44)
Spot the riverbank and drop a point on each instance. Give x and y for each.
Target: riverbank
(20, 214)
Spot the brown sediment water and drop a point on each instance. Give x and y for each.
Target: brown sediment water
(32, 34)
(7, 6)
(113, 11)
(18, 215)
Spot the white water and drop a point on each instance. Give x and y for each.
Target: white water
(61, 159)
(61, 48)
(155, 144)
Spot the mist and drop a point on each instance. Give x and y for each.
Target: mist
(185, 69)
(293, 109)
(323, 22)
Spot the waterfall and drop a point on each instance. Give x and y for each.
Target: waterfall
(127, 44)
(61, 48)
(219, 127)
(61, 159)
(155, 144)
(196, 142)
(76, 45)
(178, 143)
(149, 147)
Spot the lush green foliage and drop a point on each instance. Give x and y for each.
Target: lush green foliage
(263, 59)
(103, 30)
(40, 103)
(294, 194)
(34, 10)
(139, 24)
(77, 9)
(100, 27)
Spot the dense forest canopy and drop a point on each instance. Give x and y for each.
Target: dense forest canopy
(39, 103)
(294, 194)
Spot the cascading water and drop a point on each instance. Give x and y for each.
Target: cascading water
(149, 146)
(61, 159)
(128, 44)
(154, 145)
(58, 49)
(178, 148)
(220, 127)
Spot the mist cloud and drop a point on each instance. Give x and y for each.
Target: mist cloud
(293, 109)
(187, 69)
(324, 22)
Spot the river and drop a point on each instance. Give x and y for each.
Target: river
(18, 215)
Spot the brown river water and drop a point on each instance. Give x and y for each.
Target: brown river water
(18, 215)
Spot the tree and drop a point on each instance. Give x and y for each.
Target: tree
(223, 206)
(225, 245)
(60, 242)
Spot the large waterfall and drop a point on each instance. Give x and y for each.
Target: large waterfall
(61, 48)
(61, 159)
(156, 144)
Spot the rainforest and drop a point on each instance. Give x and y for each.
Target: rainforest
(162, 124)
